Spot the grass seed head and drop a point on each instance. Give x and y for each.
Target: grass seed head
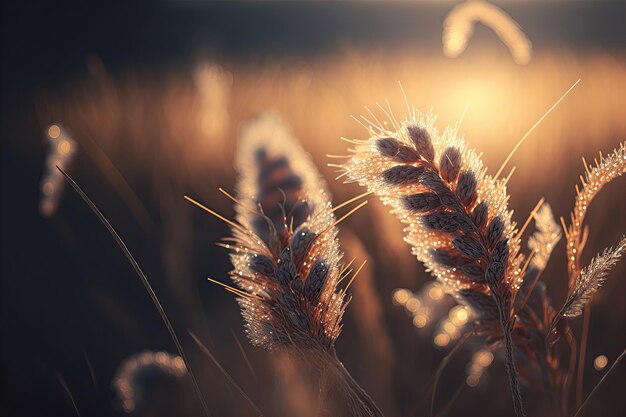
(286, 256)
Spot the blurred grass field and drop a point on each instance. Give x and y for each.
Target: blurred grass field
(144, 142)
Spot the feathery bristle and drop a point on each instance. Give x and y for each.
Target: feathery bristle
(591, 279)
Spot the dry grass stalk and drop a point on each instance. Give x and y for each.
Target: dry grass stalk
(456, 215)
(368, 314)
(302, 401)
(286, 255)
(144, 280)
(584, 405)
(458, 28)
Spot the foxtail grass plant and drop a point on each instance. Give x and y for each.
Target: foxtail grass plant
(142, 378)
(456, 215)
(288, 276)
(458, 224)
(458, 28)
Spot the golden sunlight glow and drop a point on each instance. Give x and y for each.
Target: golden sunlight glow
(213, 84)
